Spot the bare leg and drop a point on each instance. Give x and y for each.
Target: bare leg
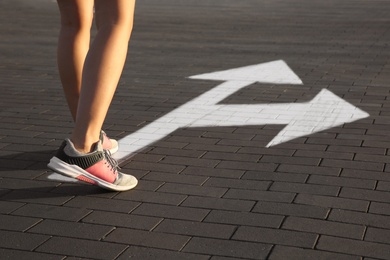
(73, 45)
(102, 69)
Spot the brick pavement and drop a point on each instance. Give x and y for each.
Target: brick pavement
(205, 192)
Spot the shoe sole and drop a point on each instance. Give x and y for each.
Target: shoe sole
(75, 172)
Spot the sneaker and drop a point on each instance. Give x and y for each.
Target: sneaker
(109, 144)
(97, 167)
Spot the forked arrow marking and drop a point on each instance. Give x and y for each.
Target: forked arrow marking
(325, 111)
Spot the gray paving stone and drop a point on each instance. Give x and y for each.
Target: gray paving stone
(276, 236)
(52, 212)
(218, 203)
(230, 248)
(254, 195)
(102, 204)
(293, 209)
(148, 238)
(332, 202)
(69, 229)
(144, 253)
(285, 252)
(21, 241)
(81, 248)
(152, 197)
(305, 188)
(367, 219)
(122, 220)
(324, 227)
(17, 254)
(197, 229)
(172, 212)
(354, 247)
(244, 218)
(195, 190)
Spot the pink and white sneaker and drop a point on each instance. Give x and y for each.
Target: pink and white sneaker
(97, 167)
(109, 144)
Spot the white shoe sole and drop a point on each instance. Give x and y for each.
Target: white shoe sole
(75, 171)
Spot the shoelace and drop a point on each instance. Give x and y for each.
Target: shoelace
(113, 163)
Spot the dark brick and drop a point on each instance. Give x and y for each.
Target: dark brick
(247, 166)
(147, 238)
(377, 235)
(21, 241)
(15, 184)
(52, 212)
(7, 207)
(35, 196)
(215, 148)
(368, 175)
(177, 152)
(227, 248)
(218, 203)
(275, 176)
(172, 212)
(264, 150)
(102, 204)
(383, 186)
(16, 254)
(275, 236)
(284, 252)
(175, 178)
(290, 160)
(146, 185)
(342, 182)
(332, 202)
(225, 173)
(354, 247)
(306, 169)
(371, 166)
(15, 223)
(305, 188)
(372, 158)
(361, 218)
(193, 190)
(144, 253)
(380, 208)
(81, 248)
(153, 197)
(372, 195)
(70, 229)
(122, 220)
(253, 195)
(237, 184)
(324, 227)
(232, 156)
(288, 209)
(244, 218)
(324, 154)
(186, 161)
(159, 167)
(357, 150)
(198, 229)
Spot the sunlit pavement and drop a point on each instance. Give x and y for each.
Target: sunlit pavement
(257, 130)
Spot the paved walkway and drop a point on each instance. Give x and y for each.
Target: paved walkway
(289, 159)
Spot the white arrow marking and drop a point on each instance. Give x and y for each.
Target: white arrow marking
(325, 111)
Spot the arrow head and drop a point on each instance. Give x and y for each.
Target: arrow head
(325, 111)
(276, 72)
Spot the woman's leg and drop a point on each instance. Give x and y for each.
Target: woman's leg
(73, 45)
(102, 69)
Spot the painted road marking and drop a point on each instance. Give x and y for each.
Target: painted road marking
(325, 111)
